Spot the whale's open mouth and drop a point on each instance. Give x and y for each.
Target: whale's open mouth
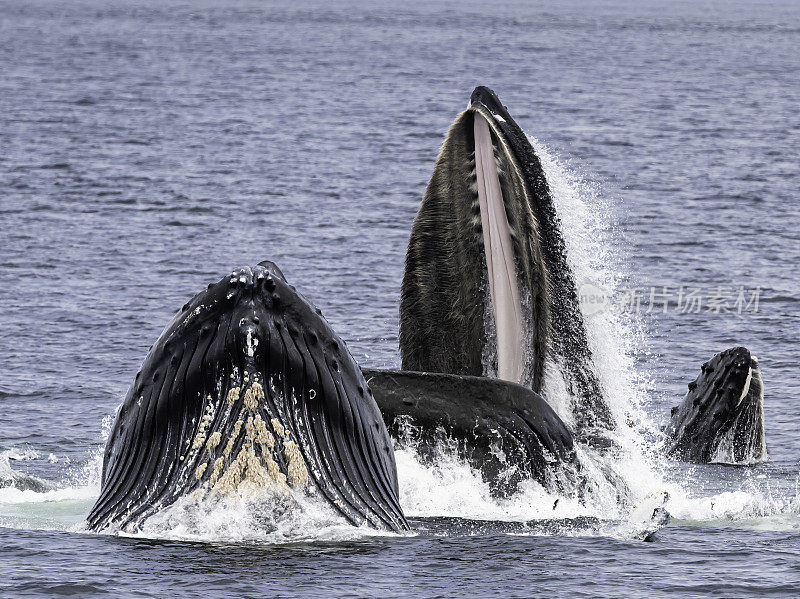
(499, 252)
(488, 289)
(475, 274)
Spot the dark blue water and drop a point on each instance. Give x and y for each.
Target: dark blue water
(148, 148)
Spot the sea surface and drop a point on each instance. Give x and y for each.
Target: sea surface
(149, 147)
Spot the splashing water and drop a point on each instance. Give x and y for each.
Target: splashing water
(630, 473)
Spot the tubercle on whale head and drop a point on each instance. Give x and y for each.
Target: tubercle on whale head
(272, 268)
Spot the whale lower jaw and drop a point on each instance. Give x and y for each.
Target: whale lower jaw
(504, 430)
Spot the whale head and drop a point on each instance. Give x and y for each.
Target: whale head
(487, 289)
(475, 297)
(721, 419)
(248, 390)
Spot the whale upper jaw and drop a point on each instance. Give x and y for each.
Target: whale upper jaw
(248, 391)
(485, 101)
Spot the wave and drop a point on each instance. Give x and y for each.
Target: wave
(14, 481)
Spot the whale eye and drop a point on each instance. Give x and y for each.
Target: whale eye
(256, 320)
(269, 284)
(312, 338)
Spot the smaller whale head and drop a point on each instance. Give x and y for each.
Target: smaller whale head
(721, 419)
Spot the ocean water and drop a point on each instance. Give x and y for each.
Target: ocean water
(147, 148)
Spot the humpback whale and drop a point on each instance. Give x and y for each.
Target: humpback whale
(249, 390)
(487, 289)
(721, 419)
(487, 296)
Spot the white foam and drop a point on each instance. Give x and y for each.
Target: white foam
(268, 519)
(450, 487)
(12, 495)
